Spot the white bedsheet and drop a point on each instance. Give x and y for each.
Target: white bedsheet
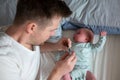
(106, 64)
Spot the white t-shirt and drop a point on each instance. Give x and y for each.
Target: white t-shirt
(16, 61)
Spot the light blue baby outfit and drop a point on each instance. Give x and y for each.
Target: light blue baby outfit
(84, 53)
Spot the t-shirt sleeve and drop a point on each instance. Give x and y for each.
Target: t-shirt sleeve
(9, 69)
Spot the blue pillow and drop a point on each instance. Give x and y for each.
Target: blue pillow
(57, 35)
(96, 29)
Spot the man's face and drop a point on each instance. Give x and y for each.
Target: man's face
(42, 35)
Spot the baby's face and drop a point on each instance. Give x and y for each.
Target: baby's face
(80, 36)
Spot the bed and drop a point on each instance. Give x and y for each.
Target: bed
(95, 14)
(98, 15)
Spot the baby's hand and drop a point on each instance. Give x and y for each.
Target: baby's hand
(103, 33)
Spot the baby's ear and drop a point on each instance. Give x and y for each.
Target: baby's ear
(91, 40)
(87, 40)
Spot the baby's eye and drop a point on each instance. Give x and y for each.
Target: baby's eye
(78, 32)
(86, 39)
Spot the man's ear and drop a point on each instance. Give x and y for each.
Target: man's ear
(31, 27)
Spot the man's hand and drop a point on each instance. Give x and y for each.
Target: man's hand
(64, 44)
(63, 66)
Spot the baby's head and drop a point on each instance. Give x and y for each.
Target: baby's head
(83, 35)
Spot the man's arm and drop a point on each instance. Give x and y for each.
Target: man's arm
(62, 44)
(47, 46)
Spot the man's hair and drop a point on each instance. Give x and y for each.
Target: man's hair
(40, 10)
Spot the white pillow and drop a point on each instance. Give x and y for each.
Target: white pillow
(7, 11)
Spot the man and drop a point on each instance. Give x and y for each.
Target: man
(34, 23)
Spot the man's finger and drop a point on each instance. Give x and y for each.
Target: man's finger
(69, 43)
(64, 56)
(72, 57)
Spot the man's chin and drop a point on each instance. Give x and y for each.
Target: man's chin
(42, 43)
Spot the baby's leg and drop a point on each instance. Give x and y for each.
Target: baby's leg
(90, 76)
(67, 77)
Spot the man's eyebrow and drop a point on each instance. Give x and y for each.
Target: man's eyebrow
(55, 29)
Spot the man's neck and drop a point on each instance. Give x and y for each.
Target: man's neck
(18, 35)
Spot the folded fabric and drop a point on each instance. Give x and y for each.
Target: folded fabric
(96, 29)
(95, 12)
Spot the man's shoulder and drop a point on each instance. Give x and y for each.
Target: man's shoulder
(6, 49)
(3, 28)
(4, 43)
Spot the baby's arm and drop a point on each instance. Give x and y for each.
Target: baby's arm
(101, 42)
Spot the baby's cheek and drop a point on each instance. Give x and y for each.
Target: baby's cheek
(76, 39)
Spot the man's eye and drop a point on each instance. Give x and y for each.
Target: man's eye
(52, 30)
